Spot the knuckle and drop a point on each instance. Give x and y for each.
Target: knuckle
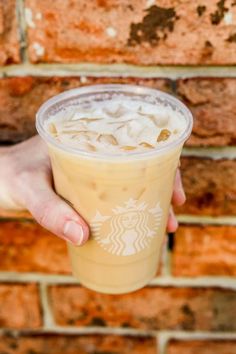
(25, 173)
(7, 165)
(28, 176)
(44, 212)
(23, 177)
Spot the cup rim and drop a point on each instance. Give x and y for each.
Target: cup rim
(125, 88)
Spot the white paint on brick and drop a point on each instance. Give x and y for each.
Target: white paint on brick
(38, 16)
(83, 79)
(39, 50)
(228, 18)
(111, 32)
(150, 3)
(29, 18)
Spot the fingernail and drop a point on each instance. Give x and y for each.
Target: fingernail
(74, 232)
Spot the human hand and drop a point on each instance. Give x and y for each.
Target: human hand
(178, 198)
(26, 183)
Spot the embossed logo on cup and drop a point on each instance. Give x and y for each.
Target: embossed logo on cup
(130, 228)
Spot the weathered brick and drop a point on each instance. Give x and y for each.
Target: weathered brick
(9, 36)
(19, 306)
(204, 250)
(149, 308)
(214, 120)
(20, 98)
(213, 103)
(138, 32)
(27, 247)
(202, 347)
(210, 186)
(74, 344)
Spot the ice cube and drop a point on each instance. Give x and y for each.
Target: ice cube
(89, 120)
(128, 147)
(107, 139)
(134, 128)
(146, 145)
(52, 128)
(116, 112)
(164, 135)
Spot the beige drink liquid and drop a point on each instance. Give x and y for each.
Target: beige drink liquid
(114, 151)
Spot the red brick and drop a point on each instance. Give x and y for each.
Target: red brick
(202, 347)
(167, 32)
(214, 119)
(151, 308)
(19, 306)
(72, 344)
(9, 36)
(21, 97)
(210, 186)
(27, 247)
(213, 104)
(204, 250)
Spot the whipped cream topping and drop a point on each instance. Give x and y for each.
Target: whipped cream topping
(117, 126)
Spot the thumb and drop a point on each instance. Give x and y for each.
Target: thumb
(52, 212)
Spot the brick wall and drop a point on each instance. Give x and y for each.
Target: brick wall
(186, 48)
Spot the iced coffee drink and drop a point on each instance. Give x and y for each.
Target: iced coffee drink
(114, 151)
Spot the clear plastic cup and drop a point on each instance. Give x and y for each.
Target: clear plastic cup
(124, 198)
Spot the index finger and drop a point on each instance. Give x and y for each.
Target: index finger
(178, 196)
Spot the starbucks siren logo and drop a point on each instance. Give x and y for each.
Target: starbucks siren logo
(130, 227)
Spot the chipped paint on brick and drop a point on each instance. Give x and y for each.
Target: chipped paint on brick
(207, 51)
(38, 16)
(83, 79)
(39, 50)
(29, 18)
(228, 18)
(201, 9)
(232, 38)
(217, 16)
(154, 27)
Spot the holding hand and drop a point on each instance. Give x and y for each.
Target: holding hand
(26, 183)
